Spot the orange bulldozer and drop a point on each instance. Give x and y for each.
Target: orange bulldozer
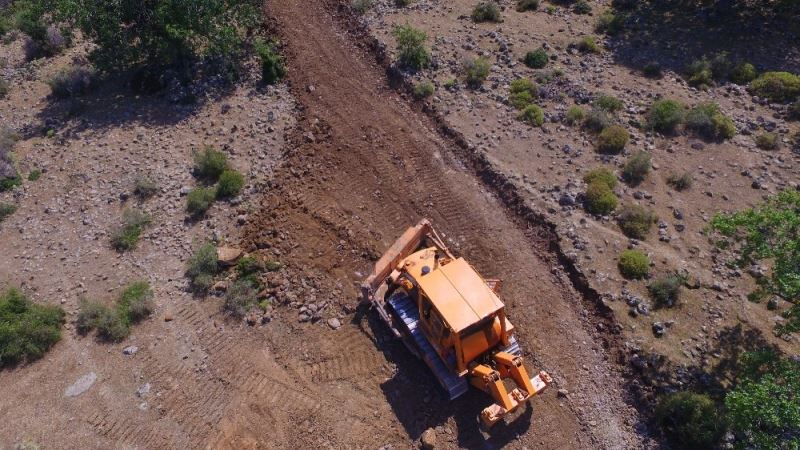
(451, 318)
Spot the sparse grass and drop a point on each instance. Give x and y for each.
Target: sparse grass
(680, 182)
(126, 236)
(27, 330)
(608, 103)
(71, 82)
(273, 67)
(532, 115)
(476, 71)
(600, 199)
(135, 303)
(240, 297)
(486, 12)
(636, 221)
(411, 51)
(202, 267)
(587, 44)
(707, 120)
(527, 5)
(523, 92)
(612, 139)
(777, 86)
(200, 200)
(601, 175)
(230, 184)
(665, 116)
(424, 89)
(767, 141)
(610, 23)
(637, 167)
(209, 163)
(598, 120)
(633, 264)
(536, 59)
(144, 187)
(362, 6)
(652, 69)
(581, 7)
(34, 175)
(575, 114)
(6, 210)
(666, 291)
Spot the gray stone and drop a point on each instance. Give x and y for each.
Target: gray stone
(428, 439)
(143, 390)
(130, 350)
(81, 385)
(334, 323)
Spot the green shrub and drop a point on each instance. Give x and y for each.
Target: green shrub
(202, 267)
(636, 221)
(612, 139)
(581, 7)
(587, 44)
(144, 187)
(527, 5)
(536, 59)
(575, 114)
(199, 200)
(652, 69)
(27, 330)
(6, 210)
(707, 120)
(230, 184)
(89, 315)
(665, 115)
(126, 236)
(135, 303)
(598, 120)
(743, 73)
(110, 325)
(8, 183)
(131, 33)
(239, 298)
(362, 6)
(794, 111)
(424, 89)
(210, 163)
(666, 291)
(690, 421)
(411, 51)
(476, 71)
(777, 86)
(523, 92)
(273, 68)
(703, 72)
(71, 82)
(600, 199)
(680, 182)
(248, 269)
(767, 141)
(486, 12)
(601, 175)
(633, 264)
(608, 103)
(610, 23)
(636, 167)
(34, 175)
(532, 115)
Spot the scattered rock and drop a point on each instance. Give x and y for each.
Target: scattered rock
(428, 439)
(334, 323)
(227, 256)
(81, 385)
(130, 350)
(563, 393)
(169, 316)
(143, 390)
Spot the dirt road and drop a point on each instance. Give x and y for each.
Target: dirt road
(366, 165)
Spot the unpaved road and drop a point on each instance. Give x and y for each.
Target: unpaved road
(365, 166)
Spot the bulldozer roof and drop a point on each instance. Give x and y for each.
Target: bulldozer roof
(459, 294)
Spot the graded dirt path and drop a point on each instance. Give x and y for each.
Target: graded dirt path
(364, 166)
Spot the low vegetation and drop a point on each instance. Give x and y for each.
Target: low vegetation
(690, 421)
(767, 141)
(486, 12)
(608, 103)
(523, 92)
(652, 70)
(598, 120)
(601, 175)
(230, 184)
(411, 51)
(587, 44)
(71, 82)
(27, 330)
(476, 71)
(199, 200)
(532, 115)
(612, 139)
(793, 113)
(665, 116)
(6, 210)
(680, 182)
(707, 120)
(127, 234)
(362, 6)
(575, 115)
(209, 163)
(600, 199)
(240, 296)
(666, 291)
(273, 67)
(581, 7)
(636, 221)
(777, 86)
(637, 167)
(424, 89)
(144, 187)
(633, 264)
(743, 73)
(610, 23)
(527, 5)
(3, 88)
(536, 59)
(134, 304)
(202, 267)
